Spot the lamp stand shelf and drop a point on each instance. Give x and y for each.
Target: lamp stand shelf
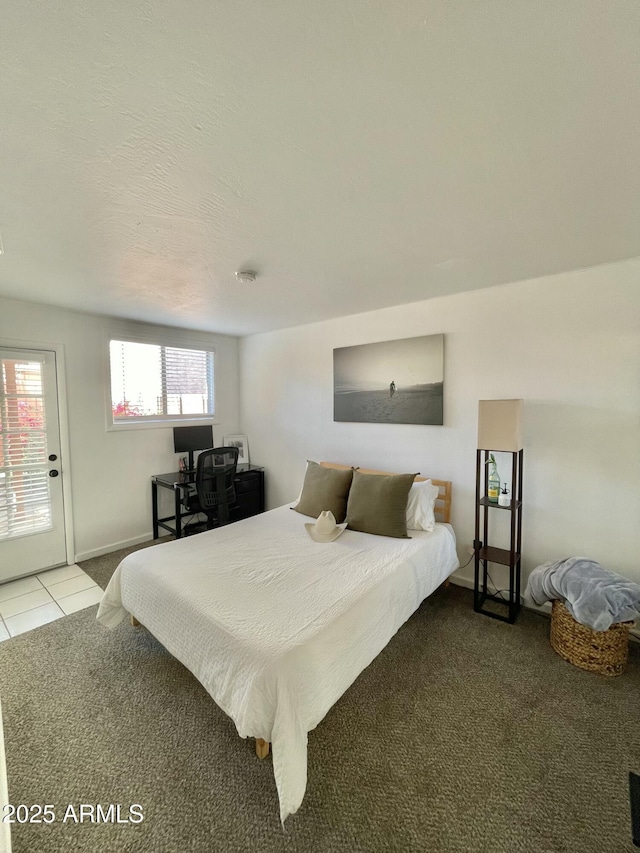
(485, 553)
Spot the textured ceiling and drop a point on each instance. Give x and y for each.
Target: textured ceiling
(356, 153)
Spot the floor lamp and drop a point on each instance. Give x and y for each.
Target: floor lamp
(499, 429)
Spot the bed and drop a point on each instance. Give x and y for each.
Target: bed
(221, 603)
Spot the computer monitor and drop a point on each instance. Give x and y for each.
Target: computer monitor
(189, 439)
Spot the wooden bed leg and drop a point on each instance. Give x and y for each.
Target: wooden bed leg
(262, 747)
(134, 621)
(446, 583)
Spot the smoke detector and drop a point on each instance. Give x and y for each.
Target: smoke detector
(245, 276)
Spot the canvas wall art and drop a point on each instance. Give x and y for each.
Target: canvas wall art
(392, 382)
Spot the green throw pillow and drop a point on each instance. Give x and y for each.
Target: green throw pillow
(325, 489)
(378, 504)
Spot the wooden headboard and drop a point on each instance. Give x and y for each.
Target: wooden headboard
(442, 509)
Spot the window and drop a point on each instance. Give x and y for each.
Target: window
(25, 505)
(151, 382)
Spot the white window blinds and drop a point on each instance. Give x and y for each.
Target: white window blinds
(154, 382)
(24, 486)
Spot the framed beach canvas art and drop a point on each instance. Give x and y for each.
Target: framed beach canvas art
(392, 382)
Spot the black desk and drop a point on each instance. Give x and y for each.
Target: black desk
(249, 485)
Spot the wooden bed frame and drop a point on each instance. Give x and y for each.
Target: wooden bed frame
(442, 512)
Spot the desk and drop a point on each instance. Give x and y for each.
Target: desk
(249, 485)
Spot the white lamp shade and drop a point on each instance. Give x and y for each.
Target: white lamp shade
(500, 425)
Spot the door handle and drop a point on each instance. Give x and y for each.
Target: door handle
(53, 473)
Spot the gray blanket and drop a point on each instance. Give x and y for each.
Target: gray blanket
(593, 595)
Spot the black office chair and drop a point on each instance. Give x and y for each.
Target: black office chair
(215, 485)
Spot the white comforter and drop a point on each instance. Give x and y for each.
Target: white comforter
(274, 625)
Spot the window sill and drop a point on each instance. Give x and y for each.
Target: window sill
(160, 424)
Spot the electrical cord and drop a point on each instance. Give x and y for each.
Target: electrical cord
(497, 592)
(189, 519)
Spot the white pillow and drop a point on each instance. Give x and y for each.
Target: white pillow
(297, 500)
(422, 499)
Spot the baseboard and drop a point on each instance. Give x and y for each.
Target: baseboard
(545, 608)
(468, 583)
(5, 828)
(460, 581)
(115, 546)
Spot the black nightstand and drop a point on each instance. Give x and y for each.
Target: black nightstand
(249, 494)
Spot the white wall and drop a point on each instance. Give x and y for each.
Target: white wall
(110, 471)
(568, 344)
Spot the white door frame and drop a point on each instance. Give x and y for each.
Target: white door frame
(65, 448)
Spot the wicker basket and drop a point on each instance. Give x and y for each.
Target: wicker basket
(604, 652)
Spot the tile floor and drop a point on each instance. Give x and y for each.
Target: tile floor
(30, 602)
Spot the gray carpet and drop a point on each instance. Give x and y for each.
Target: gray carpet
(465, 734)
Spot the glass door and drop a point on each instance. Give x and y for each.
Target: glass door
(32, 534)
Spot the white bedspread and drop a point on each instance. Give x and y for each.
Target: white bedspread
(275, 626)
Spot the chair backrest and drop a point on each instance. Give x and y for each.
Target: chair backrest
(215, 477)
